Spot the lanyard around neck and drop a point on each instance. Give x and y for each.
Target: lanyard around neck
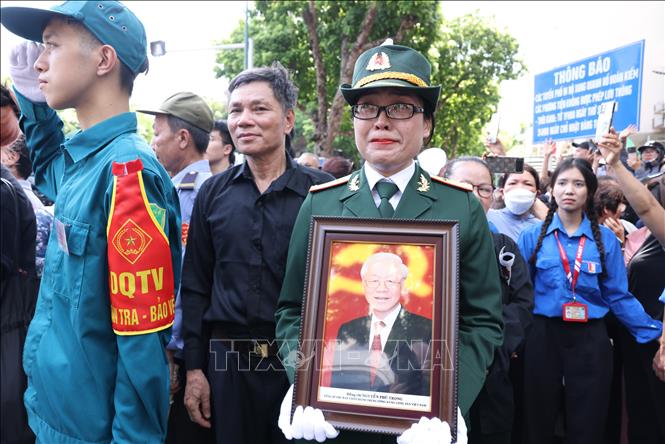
(571, 276)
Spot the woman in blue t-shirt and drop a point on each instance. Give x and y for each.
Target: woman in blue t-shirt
(579, 275)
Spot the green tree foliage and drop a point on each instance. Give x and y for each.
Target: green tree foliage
(319, 43)
(471, 58)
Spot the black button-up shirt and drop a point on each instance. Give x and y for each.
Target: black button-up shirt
(236, 254)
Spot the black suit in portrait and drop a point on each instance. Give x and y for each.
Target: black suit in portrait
(405, 361)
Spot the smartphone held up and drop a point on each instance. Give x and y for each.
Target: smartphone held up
(604, 122)
(503, 164)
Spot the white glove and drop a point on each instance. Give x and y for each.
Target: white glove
(433, 431)
(308, 423)
(21, 69)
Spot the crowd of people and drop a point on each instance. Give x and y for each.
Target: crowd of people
(153, 291)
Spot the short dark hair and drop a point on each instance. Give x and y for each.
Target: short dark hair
(338, 166)
(429, 114)
(6, 99)
(527, 168)
(23, 165)
(127, 77)
(223, 128)
(200, 137)
(283, 88)
(90, 41)
(608, 195)
(285, 91)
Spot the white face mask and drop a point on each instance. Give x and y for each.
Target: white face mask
(519, 200)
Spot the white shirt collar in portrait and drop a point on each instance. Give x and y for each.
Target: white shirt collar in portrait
(385, 332)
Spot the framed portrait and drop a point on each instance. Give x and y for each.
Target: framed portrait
(378, 339)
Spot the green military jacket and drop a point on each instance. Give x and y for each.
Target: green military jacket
(480, 320)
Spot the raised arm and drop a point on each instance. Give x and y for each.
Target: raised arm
(549, 149)
(645, 205)
(40, 124)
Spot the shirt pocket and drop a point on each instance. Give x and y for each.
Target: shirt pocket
(549, 272)
(68, 276)
(588, 283)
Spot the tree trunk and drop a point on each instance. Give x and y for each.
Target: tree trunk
(346, 74)
(349, 58)
(453, 142)
(321, 117)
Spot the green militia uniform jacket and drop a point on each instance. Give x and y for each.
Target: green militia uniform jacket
(480, 325)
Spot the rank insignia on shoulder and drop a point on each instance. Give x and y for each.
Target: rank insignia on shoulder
(189, 181)
(331, 184)
(453, 183)
(423, 184)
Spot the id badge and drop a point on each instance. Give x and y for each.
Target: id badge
(575, 312)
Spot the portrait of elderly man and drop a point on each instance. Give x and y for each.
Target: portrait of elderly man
(387, 350)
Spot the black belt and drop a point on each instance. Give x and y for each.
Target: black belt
(264, 348)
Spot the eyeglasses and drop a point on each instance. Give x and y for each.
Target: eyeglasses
(397, 111)
(389, 283)
(483, 190)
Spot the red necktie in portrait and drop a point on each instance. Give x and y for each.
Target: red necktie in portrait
(376, 350)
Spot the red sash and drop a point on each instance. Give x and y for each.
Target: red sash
(140, 268)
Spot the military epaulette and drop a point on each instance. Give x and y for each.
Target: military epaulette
(332, 183)
(453, 183)
(189, 181)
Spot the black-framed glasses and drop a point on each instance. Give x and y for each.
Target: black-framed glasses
(397, 111)
(483, 190)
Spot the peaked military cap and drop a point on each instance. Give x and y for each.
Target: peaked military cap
(392, 66)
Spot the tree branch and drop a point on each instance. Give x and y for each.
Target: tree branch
(361, 40)
(346, 74)
(309, 16)
(405, 25)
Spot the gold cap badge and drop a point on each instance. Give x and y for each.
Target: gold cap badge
(379, 60)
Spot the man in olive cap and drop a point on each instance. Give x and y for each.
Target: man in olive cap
(94, 352)
(182, 128)
(393, 105)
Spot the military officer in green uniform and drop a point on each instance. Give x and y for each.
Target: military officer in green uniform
(393, 108)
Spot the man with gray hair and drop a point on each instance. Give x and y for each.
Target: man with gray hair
(234, 265)
(310, 160)
(385, 351)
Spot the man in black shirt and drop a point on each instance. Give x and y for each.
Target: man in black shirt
(234, 265)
